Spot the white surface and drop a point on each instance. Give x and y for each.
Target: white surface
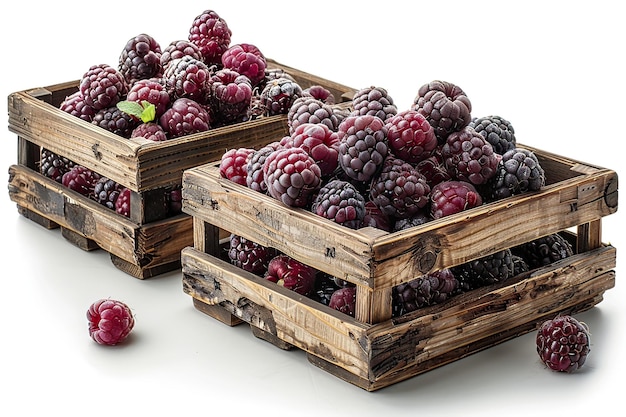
(554, 69)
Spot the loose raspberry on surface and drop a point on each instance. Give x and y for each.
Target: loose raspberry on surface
(110, 321)
(563, 343)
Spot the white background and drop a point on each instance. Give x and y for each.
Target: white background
(553, 69)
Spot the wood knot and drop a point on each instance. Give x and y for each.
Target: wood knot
(426, 261)
(610, 193)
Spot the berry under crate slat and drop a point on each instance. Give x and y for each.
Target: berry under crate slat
(151, 243)
(375, 349)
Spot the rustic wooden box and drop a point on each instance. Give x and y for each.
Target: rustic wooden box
(374, 349)
(148, 243)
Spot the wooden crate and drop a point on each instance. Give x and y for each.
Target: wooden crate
(375, 349)
(149, 242)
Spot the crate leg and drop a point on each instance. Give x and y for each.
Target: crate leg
(589, 236)
(272, 338)
(37, 218)
(339, 372)
(217, 312)
(143, 272)
(78, 240)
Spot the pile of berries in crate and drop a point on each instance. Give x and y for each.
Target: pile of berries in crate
(190, 86)
(376, 165)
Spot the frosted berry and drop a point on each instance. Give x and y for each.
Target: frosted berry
(374, 101)
(563, 343)
(344, 300)
(110, 321)
(292, 176)
(497, 131)
(362, 146)
(292, 274)
(234, 163)
(450, 197)
(230, 96)
(246, 59)
(320, 93)
(307, 109)
(340, 202)
(211, 34)
(185, 117)
(187, 77)
(410, 136)
(249, 255)
(140, 59)
(177, 49)
(469, 157)
(255, 179)
(102, 86)
(279, 94)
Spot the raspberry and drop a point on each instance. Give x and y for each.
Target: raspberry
(544, 251)
(102, 86)
(446, 107)
(54, 165)
(340, 202)
(344, 300)
(255, 179)
(490, 269)
(307, 109)
(151, 91)
(230, 96)
(140, 59)
(292, 176)
(122, 204)
(497, 131)
(151, 131)
(362, 146)
(450, 197)
(110, 321)
(433, 169)
(246, 59)
(185, 117)
(320, 142)
(410, 136)
(291, 274)
(188, 77)
(320, 93)
(234, 163)
(517, 172)
(279, 94)
(116, 121)
(374, 217)
(106, 191)
(211, 34)
(75, 105)
(178, 49)
(374, 101)
(399, 189)
(469, 157)
(249, 255)
(563, 343)
(433, 288)
(174, 200)
(81, 179)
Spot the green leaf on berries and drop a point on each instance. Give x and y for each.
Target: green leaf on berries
(146, 111)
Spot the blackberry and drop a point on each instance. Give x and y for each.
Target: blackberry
(230, 97)
(340, 202)
(291, 274)
(374, 101)
(188, 77)
(450, 197)
(362, 146)
(153, 92)
(517, 172)
(446, 107)
(519, 265)
(246, 59)
(140, 59)
(106, 191)
(410, 136)
(320, 142)
(325, 286)
(344, 300)
(292, 176)
(544, 250)
(249, 255)
(255, 179)
(490, 269)
(418, 219)
(433, 288)
(53, 165)
(563, 343)
(75, 105)
(234, 163)
(151, 131)
(399, 189)
(116, 121)
(81, 179)
(496, 130)
(278, 95)
(469, 157)
(307, 109)
(178, 49)
(211, 34)
(184, 117)
(102, 86)
(320, 93)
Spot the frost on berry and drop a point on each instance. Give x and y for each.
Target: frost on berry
(110, 321)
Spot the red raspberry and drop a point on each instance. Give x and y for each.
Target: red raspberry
(246, 59)
(151, 131)
(188, 77)
(75, 105)
(151, 91)
(249, 255)
(292, 176)
(230, 96)
(212, 36)
(110, 321)
(469, 157)
(563, 343)
(177, 49)
(320, 93)
(320, 142)
(185, 117)
(81, 179)
(410, 136)
(122, 204)
(450, 197)
(102, 86)
(291, 274)
(234, 164)
(344, 300)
